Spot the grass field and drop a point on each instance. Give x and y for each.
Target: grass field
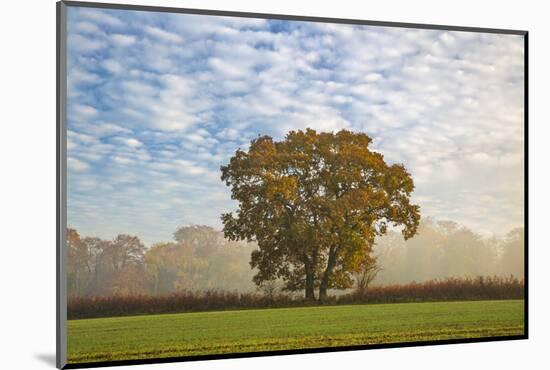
(200, 333)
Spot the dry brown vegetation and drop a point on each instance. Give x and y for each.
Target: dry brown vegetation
(451, 289)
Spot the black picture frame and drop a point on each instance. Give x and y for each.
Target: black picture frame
(61, 171)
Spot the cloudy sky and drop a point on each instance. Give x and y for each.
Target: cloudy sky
(157, 102)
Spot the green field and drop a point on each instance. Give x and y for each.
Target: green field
(200, 333)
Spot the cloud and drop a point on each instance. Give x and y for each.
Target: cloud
(77, 165)
(122, 160)
(158, 101)
(84, 44)
(131, 142)
(102, 129)
(101, 17)
(162, 34)
(87, 27)
(138, 88)
(112, 66)
(227, 70)
(81, 76)
(123, 40)
(85, 111)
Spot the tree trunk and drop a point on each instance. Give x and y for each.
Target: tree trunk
(326, 275)
(310, 279)
(77, 282)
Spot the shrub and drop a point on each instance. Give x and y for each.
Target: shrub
(451, 289)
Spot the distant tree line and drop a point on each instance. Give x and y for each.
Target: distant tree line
(200, 259)
(443, 249)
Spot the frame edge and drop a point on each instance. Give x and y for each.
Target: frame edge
(61, 166)
(244, 14)
(61, 200)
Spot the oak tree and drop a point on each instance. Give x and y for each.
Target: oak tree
(314, 203)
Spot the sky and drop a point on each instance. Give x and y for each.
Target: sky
(157, 102)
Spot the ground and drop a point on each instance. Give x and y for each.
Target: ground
(201, 333)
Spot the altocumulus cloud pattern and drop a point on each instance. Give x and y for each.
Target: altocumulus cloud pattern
(157, 102)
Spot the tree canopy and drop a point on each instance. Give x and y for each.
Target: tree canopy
(314, 203)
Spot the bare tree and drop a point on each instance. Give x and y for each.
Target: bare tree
(367, 273)
(269, 288)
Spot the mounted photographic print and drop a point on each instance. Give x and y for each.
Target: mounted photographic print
(236, 184)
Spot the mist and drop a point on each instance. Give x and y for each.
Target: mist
(200, 259)
(443, 249)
